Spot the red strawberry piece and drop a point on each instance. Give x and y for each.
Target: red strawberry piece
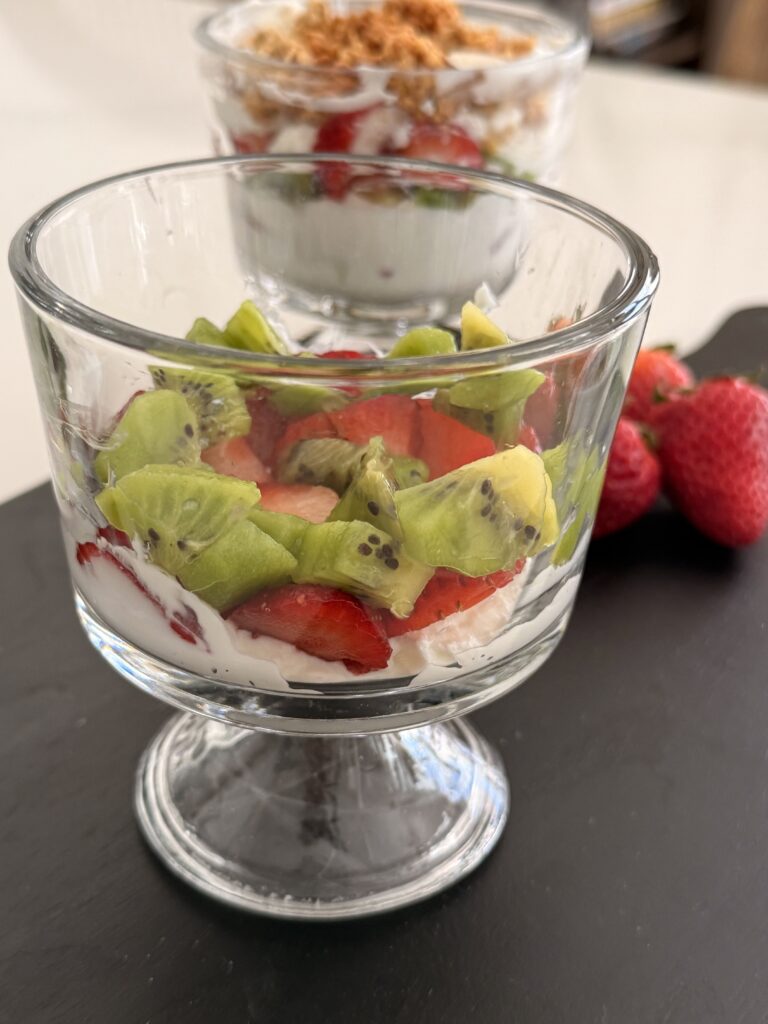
(656, 374)
(235, 457)
(445, 594)
(541, 411)
(251, 142)
(391, 417)
(304, 500)
(267, 424)
(447, 444)
(713, 446)
(317, 425)
(114, 536)
(559, 323)
(322, 621)
(187, 622)
(185, 626)
(529, 438)
(337, 135)
(443, 144)
(632, 480)
(345, 353)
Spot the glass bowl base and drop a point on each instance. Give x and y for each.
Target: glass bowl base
(320, 828)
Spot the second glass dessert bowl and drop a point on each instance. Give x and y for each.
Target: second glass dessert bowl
(483, 84)
(327, 537)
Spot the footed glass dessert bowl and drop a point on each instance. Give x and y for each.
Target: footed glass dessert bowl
(326, 529)
(481, 84)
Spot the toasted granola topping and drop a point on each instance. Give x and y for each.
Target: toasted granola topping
(400, 34)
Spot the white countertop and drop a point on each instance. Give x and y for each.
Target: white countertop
(683, 160)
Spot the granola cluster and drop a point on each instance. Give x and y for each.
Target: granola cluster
(400, 34)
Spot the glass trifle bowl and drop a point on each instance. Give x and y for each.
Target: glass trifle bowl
(325, 538)
(484, 84)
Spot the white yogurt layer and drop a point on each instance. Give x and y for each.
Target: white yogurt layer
(370, 253)
(464, 641)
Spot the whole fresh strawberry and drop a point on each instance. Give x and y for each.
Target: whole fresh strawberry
(656, 374)
(632, 480)
(713, 447)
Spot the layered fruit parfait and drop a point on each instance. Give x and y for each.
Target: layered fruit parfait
(484, 85)
(271, 532)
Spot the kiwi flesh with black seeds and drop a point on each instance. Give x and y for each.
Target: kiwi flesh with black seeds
(216, 398)
(370, 496)
(364, 561)
(482, 517)
(242, 561)
(176, 511)
(156, 427)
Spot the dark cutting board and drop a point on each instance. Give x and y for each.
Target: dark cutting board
(630, 887)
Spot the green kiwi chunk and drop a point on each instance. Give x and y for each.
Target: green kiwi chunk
(364, 561)
(423, 341)
(204, 332)
(250, 330)
(240, 562)
(216, 398)
(482, 517)
(478, 330)
(333, 462)
(157, 426)
(495, 391)
(370, 496)
(409, 471)
(577, 481)
(286, 529)
(492, 405)
(177, 511)
(305, 399)
(329, 461)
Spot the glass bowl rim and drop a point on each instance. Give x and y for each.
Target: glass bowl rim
(579, 42)
(631, 301)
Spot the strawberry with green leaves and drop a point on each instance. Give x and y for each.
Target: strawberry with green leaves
(656, 374)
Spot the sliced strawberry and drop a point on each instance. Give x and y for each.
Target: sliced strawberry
(304, 500)
(391, 417)
(322, 621)
(251, 142)
(343, 353)
(185, 625)
(443, 144)
(447, 444)
(445, 594)
(267, 424)
(235, 457)
(114, 536)
(529, 438)
(187, 622)
(317, 425)
(337, 135)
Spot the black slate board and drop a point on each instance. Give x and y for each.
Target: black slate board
(630, 887)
